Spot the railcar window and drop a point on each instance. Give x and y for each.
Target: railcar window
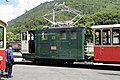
(97, 37)
(44, 35)
(116, 36)
(73, 34)
(24, 35)
(106, 37)
(1, 37)
(63, 35)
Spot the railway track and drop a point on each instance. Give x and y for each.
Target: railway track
(98, 66)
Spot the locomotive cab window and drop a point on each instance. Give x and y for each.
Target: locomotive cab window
(31, 36)
(97, 37)
(106, 37)
(24, 35)
(1, 37)
(73, 34)
(116, 36)
(44, 35)
(62, 34)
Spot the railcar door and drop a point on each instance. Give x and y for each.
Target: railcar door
(116, 44)
(106, 49)
(97, 42)
(103, 49)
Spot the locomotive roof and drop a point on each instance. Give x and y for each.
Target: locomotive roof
(63, 28)
(105, 26)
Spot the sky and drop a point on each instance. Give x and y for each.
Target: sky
(14, 8)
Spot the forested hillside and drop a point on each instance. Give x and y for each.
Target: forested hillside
(94, 12)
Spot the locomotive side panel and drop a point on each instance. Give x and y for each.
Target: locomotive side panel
(60, 43)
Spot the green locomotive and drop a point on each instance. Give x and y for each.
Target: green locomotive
(63, 42)
(55, 44)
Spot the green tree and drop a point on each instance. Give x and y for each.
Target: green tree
(86, 21)
(17, 37)
(106, 17)
(10, 37)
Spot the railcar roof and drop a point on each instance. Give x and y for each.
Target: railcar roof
(2, 23)
(105, 26)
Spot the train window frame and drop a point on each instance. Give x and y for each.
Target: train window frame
(106, 37)
(31, 36)
(98, 37)
(44, 35)
(24, 35)
(73, 34)
(63, 35)
(2, 38)
(118, 36)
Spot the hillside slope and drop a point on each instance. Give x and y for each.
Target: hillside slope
(93, 11)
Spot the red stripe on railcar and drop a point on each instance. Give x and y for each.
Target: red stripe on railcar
(2, 59)
(107, 53)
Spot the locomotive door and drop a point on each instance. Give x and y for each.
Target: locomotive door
(44, 45)
(64, 44)
(31, 42)
(24, 42)
(74, 44)
(53, 44)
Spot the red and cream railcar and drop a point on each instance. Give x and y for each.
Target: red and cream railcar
(2, 45)
(106, 43)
